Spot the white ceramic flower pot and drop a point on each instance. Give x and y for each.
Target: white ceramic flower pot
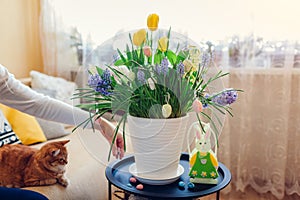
(157, 145)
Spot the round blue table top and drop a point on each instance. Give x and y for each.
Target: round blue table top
(117, 174)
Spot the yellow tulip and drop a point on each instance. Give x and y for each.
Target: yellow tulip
(139, 37)
(152, 22)
(163, 44)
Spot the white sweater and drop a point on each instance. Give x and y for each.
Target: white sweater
(19, 96)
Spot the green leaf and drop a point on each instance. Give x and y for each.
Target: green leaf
(171, 57)
(142, 58)
(122, 57)
(99, 70)
(181, 56)
(169, 34)
(113, 81)
(158, 57)
(119, 63)
(128, 52)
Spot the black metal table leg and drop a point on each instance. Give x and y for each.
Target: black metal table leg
(109, 191)
(126, 195)
(218, 195)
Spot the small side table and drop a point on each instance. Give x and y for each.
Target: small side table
(118, 175)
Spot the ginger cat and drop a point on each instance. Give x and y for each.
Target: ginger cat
(22, 166)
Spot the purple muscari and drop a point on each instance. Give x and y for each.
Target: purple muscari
(106, 76)
(180, 68)
(226, 97)
(101, 84)
(164, 66)
(206, 59)
(93, 80)
(116, 57)
(157, 68)
(212, 56)
(204, 103)
(141, 76)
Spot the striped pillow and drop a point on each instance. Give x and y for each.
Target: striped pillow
(7, 135)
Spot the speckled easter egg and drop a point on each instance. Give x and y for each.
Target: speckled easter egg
(139, 187)
(132, 180)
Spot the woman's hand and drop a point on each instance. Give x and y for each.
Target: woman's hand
(107, 130)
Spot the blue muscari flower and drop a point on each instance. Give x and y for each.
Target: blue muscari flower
(204, 103)
(93, 80)
(206, 59)
(226, 97)
(101, 84)
(180, 68)
(106, 75)
(116, 57)
(157, 68)
(141, 76)
(164, 66)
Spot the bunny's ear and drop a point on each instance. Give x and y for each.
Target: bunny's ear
(207, 131)
(207, 134)
(197, 131)
(198, 135)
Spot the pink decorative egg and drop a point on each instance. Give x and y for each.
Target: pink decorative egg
(197, 106)
(139, 187)
(132, 180)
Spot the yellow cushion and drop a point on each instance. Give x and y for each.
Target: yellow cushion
(25, 126)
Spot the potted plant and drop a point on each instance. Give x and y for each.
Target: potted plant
(155, 88)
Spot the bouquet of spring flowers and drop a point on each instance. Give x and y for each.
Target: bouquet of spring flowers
(150, 80)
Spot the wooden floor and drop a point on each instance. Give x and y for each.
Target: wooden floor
(250, 194)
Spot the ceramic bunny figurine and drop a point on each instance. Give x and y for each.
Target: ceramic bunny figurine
(203, 162)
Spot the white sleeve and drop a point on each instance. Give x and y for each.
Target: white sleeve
(19, 96)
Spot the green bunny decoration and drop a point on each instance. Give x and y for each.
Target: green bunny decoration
(203, 161)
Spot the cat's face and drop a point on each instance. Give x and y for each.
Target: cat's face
(55, 155)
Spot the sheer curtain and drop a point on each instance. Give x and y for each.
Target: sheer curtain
(59, 56)
(260, 143)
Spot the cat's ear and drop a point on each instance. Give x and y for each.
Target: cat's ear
(63, 142)
(55, 152)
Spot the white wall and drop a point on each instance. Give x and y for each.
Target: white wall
(199, 19)
(19, 36)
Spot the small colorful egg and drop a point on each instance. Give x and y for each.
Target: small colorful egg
(191, 185)
(166, 110)
(132, 180)
(181, 184)
(139, 187)
(151, 83)
(197, 106)
(129, 185)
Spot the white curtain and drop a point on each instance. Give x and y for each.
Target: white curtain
(59, 56)
(260, 144)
